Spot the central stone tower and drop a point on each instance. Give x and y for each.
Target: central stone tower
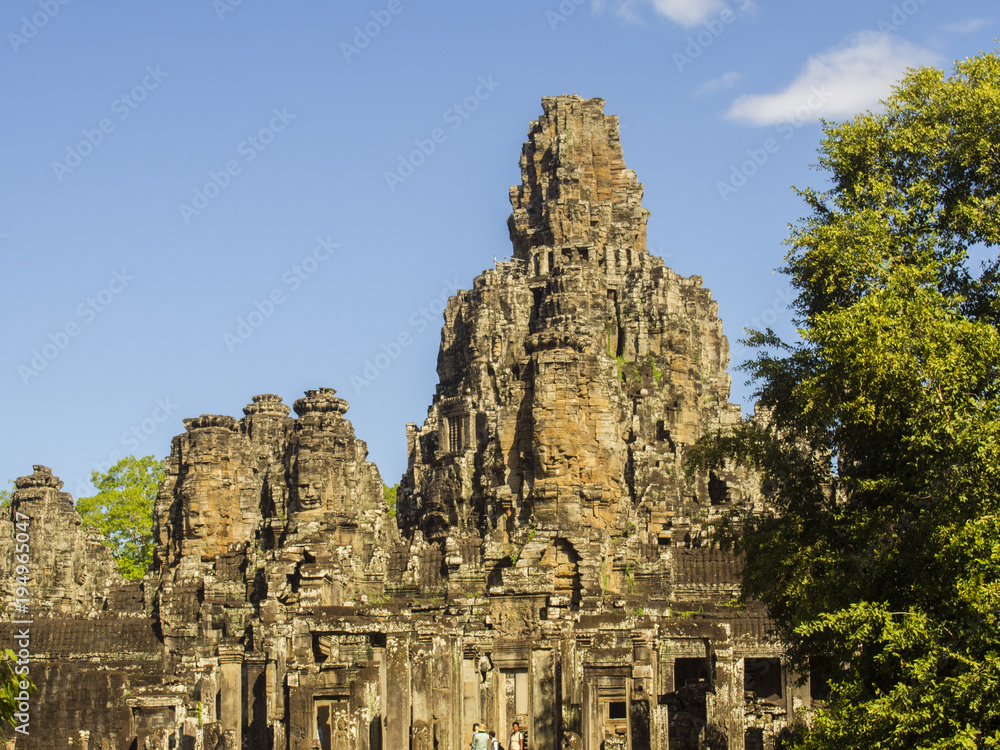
(571, 379)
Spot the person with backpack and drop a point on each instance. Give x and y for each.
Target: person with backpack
(494, 742)
(516, 738)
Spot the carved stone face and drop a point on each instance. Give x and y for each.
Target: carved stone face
(552, 456)
(312, 489)
(320, 471)
(201, 519)
(208, 504)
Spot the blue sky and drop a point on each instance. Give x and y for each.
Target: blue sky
(203, 201)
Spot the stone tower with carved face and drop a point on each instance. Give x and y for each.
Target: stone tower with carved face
(574, 375)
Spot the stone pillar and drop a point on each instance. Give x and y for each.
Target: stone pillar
(255, 698)
(659, 729)
(470, 696)
(642, 693)
(797, 696)
(659, 734)
(728, 704)
(588, 732)
(572, 691)
(542, 721)
(231, 684)
(396, 698)
(276, 689)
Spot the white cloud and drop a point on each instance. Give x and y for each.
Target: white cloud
(837, 83)
(967, 27)
(624, 9)
(719, 84)
(689, 13)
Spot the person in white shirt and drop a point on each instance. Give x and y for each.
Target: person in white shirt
(516, 738)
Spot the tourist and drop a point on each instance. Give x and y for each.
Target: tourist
(494, 742)
(516, 738)
(480, 740)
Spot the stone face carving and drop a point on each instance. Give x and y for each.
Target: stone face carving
(544, 564)
(209, 500)
(69, 570)
(323, 450)
(210, 487)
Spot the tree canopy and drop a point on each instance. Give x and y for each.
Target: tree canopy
(15, 687)
(389, 493)
(878, 436)
(122, 510)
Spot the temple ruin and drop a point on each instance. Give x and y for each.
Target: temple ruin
(547, 562)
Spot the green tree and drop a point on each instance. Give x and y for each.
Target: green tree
(122, 510)
(6, 496)
(879, 448)
(389, 493)
(12, 685)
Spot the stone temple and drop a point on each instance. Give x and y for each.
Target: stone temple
(548, 562)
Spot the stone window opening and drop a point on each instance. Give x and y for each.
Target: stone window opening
(616, 716)
(718, 491)
(763, 678)
(690, 670)
(819, 687)
(537, 297)
(567, 574)
(455, 441)
(324, 647)
(613, 709)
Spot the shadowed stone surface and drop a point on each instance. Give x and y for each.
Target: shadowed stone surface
(546, 563)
